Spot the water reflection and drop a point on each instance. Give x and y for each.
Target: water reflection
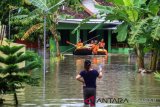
(120, 80)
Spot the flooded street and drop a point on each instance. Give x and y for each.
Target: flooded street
(120, 80)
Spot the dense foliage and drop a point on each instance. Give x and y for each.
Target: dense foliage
(74, 4)
(7, 6)
(140, 25)
(22, 21)
(46, 10)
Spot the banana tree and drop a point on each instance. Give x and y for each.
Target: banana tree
(135, 14)
(49, 9)
(22, 21)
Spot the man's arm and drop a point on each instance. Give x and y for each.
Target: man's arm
(100, 74)
(79, 78)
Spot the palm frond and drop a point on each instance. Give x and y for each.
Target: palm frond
(31, 30)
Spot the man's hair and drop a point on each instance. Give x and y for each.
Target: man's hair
(87, 64)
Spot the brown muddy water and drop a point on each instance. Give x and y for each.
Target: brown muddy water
(120, 81)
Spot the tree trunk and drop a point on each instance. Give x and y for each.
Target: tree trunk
(54, 30)
(158, 61)
(54, 33)
(57, 46)
(153, 62)
(15, 95)
(140, 56)
(15, 98)
(1, 101)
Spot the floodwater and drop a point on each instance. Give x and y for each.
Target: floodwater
(120, 81)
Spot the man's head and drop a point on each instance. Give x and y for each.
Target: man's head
(92, 41)
(87, 64)
(80, 40)
(102, 40)
(95, 42)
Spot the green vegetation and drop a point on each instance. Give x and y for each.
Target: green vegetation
(48, 9)
(26, 17)
(157, 75)
(13, 12)
(7, 6)
(14, 76)
(74, 4)
(141, 26)
(22, 21)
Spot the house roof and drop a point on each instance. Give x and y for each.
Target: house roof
(77, 21)
(89, 24)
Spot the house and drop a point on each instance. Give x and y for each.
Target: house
(105, 31)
